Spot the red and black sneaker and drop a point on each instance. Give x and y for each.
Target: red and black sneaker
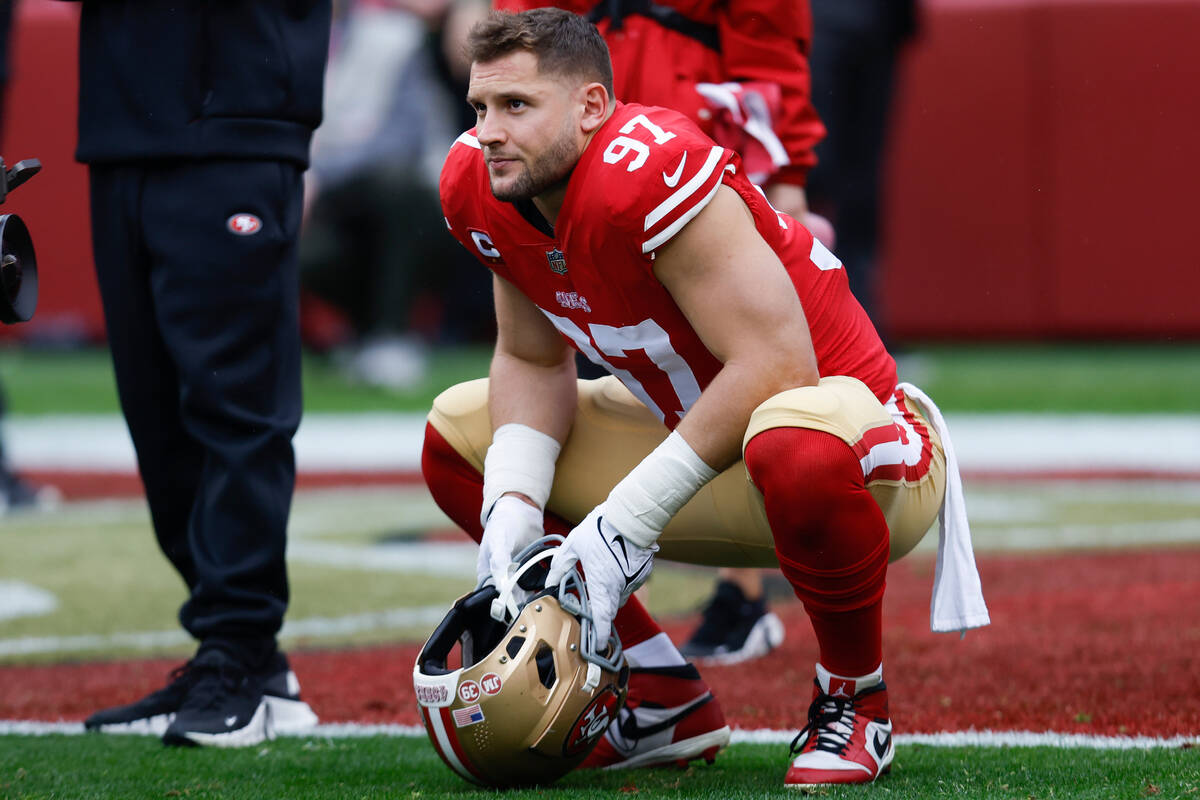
(669, 717)
(848, 738)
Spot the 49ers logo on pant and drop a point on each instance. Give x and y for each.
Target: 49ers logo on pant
(243, 224)
(592, 722)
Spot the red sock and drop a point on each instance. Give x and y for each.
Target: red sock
(457, 488)
(830, 537)
(634, 624)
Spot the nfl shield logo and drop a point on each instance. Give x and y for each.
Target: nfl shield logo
(558, 262)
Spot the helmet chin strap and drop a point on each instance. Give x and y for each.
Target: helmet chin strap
(572, 596)
(506, 606)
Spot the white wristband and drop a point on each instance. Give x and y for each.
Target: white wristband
(642, 504)
(520, 459)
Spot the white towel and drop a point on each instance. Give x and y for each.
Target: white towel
(957, 602)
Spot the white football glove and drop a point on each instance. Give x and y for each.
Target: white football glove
(613, 567)
(512, 525)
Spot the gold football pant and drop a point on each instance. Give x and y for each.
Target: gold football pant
(724, 524)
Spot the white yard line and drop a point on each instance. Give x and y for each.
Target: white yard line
(351, 730)
(21, 599)
(1087, 443)
(392, 619)
(456, 559)
(974, 738)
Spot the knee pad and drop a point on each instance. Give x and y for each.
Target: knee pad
(845, 408)
(460, 416)
(809, 480)
(838, 405)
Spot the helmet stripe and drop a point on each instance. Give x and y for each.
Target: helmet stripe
(433, 737)
(433, 721)
(452, 735)
(446, 742)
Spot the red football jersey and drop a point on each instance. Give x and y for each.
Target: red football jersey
(645, 174)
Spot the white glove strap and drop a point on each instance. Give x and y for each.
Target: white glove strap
(520, 459)
(642, 504)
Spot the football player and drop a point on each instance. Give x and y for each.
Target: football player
(753, 416)
(739, 70)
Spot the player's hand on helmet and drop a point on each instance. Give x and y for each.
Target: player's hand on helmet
(613, 567)
(511, 526)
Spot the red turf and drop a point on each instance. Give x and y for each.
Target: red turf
(1087, 643)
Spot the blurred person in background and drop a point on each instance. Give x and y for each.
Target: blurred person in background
(738, 69)
(856, 45)
(16, 493)
(195, 120)
(373, 244)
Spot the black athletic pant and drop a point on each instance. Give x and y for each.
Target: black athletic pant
(853, 60)
(203, 326)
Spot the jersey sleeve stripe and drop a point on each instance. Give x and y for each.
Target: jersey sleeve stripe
(686, 191)
(820, 255)
(467, 139)
(663, 236)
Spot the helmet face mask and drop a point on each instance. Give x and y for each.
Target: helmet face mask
(534, 694)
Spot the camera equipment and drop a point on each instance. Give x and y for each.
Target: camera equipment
(18, 264)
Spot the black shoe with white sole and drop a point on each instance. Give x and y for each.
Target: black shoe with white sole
(150, 715)
(733, 629)
(155, 712)
(224, 706)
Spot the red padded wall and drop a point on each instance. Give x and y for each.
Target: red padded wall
(1042, 170)
(40, 123)
(960, 248)
(1124, 128)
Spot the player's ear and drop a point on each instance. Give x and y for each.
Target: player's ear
(596, 107)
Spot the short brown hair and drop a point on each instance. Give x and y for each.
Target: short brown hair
(564, 43)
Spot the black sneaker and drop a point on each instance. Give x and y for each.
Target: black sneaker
(150, 715)
(155, 712)
(18, 494)
(733, 629)
(224, 705)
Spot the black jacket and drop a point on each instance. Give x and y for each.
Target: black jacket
(179, 79)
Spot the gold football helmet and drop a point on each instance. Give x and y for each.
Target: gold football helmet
(534, 693)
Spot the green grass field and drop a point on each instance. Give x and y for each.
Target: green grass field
(1095, 377)
(132, 768)
(62, 552)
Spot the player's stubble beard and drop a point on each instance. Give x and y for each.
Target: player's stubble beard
(549, 170)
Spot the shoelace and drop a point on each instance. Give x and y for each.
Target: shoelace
(178, 680)
(212, 683)
(831, 721)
